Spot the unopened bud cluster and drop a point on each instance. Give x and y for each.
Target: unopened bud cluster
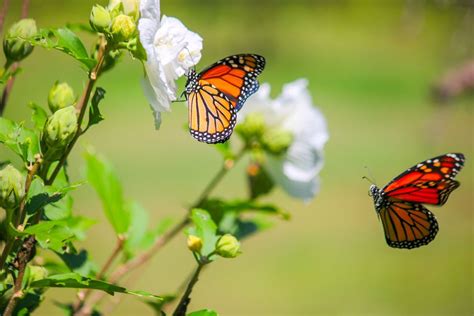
(254, 131)
(228, 246)
(60, 96)
(118, 20)
(15, 44)
(59, 130)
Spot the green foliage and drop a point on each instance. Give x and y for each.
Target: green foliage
(64, 40)
(103, 178)
(94, 113)
(203, 312)
(38, 116)
(77, 281)
(260, 182)
(204, 228)
(21, 140)
(56, 235)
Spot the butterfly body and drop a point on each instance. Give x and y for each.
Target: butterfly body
(217, 93)
(406, 222)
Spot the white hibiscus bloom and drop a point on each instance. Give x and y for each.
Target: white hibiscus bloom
(296, 171)
(171, 50)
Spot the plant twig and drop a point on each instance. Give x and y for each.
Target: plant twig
(11, 81)
(81, 108)
(140, 260)
(23, 257)
(185, 299)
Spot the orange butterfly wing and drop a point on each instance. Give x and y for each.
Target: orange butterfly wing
(211, 115)
(430, 182)
(408, 225)
(218, 92)
(235, 76)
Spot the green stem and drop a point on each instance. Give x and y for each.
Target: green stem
(185, 299)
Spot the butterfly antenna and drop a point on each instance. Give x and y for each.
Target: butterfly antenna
(371, 179)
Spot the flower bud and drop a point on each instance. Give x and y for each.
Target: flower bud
(36, 273)
(12, 189)
(60, 128)
(228, 246)
(128, 7)
(15, 46)
(60, 96)
(123, 28)
(100, 18)
(194, 243)
(252, 127)
(277, 141)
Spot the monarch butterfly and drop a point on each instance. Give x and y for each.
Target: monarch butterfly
(217, 93)
(406, 222)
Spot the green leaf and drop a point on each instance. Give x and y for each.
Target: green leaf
(203, 312)
(63, 208)
(139, 237)
(77, 281)
(39, 116)
(105, 181)
(204, 228)
(79, 263)
(65, 40)
(260, 182)
(39, 195)
(157, 305)
(21, 140)
(55, 235)
(94, 113)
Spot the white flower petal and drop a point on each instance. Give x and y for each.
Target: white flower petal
(171, 49)
(293, 111)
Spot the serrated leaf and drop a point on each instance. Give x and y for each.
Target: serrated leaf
(65, 40)
(77, 281)
(21, 140)
(107, 185)
(204, 228)
(203, 312)
(94, 113)
(55, 235)
(39, 116)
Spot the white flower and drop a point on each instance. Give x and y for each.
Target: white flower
(293, 111)
(171, 49)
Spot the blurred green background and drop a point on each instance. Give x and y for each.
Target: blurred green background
(371, 66)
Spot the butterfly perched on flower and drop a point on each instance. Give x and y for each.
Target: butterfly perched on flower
(217, 93)
(406, 222)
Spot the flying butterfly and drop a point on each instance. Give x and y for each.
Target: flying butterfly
(406, 222)
(217, 93)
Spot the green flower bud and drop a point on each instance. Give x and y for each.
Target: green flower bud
(59, 131)
(276, 141)
(194, 243)
(252, 127)
(128, 7)
(12, 187)
(123, 28)
(60, 96)
(100, 18)
(228, 246)
(14, 45)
